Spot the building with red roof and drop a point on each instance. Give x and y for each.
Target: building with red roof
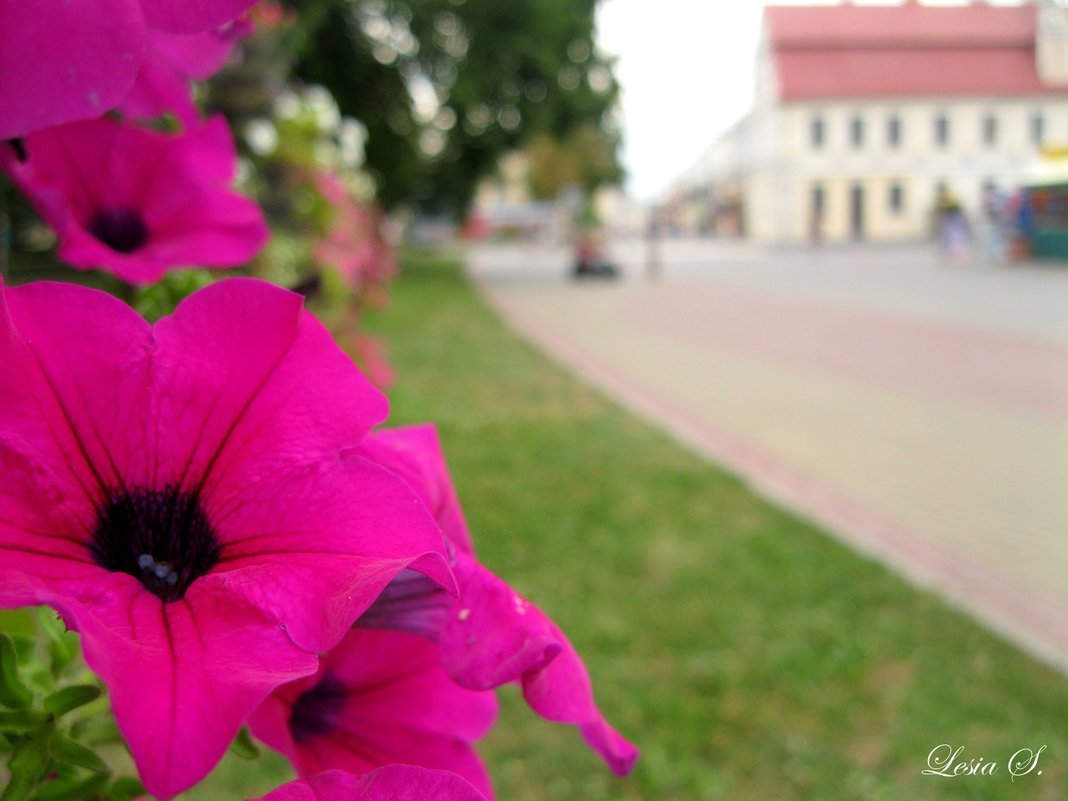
(864, 114)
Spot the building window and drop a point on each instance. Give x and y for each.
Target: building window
(896, 198)
(1038, 129)
(941, 129)
(893, 131)
(816, 133)
(818, 199)
(990, 130)
(856, 132)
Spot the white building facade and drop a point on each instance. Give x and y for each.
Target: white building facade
(862, 114)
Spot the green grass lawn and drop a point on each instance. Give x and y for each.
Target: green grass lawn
(751, 656)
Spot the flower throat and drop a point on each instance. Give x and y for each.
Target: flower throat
(162, 538)
(122, 230)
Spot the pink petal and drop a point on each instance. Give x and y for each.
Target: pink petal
(192, 16)
(200, 55)
(172, 61)
(63, 61)
(160, 89)
(497, 636)
(415, 454)
(184, 676)
(250, 383)
(316, 544)
(494, 635)
(58, 344)
(220, 230)
(208, 151)
(390, 783)
(75, 363)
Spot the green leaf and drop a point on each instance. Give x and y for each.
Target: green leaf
(66, 750)
(125, 789)
(63, 701)
(25, 647)
(62, 644)
(99, 730)
(72, 789)
(19, 720)
(28, 764)
(13, 693)
(18, 621)
(243, 745)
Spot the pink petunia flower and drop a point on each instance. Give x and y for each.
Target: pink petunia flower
(189, 497)
(390, 783)
(379, 697)
(137, 202)
(63, 61)
(489, 635)
(353, 244)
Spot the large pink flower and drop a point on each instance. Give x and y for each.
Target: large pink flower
(379, 697)
(138, 202)
(190, 498)
(62, 61)
(390, 783)
(489, 635)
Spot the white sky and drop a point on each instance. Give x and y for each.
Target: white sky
(686, 68)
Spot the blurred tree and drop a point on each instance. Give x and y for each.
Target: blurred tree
(445, 87)
(585, 159)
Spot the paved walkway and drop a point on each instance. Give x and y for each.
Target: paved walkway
(918, 410)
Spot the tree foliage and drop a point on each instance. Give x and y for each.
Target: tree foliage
(445, 87)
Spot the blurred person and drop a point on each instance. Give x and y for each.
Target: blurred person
(1020, 212)
(953, 231)
(652, 238)
(590, 261)
(994, 222)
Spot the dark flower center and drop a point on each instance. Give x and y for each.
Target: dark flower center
(160, 537)
(315, 712)
(18, 144)
(122, 230)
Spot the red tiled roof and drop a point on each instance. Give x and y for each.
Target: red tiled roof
(812, 74)
(909, 25)
(904, 51)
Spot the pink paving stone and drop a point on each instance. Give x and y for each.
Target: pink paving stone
(1012, 371)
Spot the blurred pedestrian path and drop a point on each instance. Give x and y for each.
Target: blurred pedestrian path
(919, 410)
